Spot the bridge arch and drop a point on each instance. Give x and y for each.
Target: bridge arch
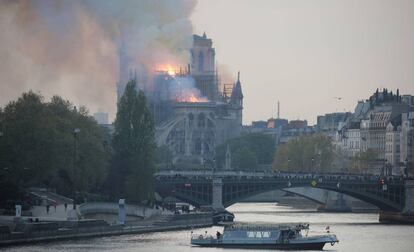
(236, 186)
(244, 197)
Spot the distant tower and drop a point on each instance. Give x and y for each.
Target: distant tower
(202, 55)
(228, 158)
(237, 94)
(278, 110)
(236, 99)
(203, 66)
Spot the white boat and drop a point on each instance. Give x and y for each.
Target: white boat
(284, 236)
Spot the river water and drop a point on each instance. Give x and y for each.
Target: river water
(355, 231)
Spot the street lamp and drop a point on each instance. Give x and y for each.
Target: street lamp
(76, 131)
(288, 164)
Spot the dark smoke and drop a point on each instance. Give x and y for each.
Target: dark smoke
(70, 47)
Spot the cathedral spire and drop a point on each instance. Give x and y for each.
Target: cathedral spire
(237, 94)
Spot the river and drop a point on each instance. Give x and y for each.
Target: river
(355, 231)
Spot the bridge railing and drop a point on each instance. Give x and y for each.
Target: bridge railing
(237, 175)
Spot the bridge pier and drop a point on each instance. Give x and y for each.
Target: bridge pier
(409, 197)
(335, 202)
(328, 200)
(407, 215)
(217, 193)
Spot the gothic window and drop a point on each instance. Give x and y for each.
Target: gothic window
(201, 61)
(201, 120)
(190, 119)
(197, 146)
(210, 124)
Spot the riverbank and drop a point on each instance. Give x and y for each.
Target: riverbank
(355, 231)
(68, 230)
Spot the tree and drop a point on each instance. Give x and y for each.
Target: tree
(361, 163)
(305, 153)
(163, 157)
(245, 159)
(37, 145)
(133, 144)
(90, 162)
(248, 151)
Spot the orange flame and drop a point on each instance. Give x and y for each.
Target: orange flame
(168, 69)
(185, 94)
(191, 97)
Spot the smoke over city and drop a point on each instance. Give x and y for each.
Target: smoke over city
(71, 48)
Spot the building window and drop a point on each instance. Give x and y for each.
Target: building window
(201, 120)
(197, 146)
(201, 61)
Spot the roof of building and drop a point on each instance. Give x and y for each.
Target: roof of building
(361, 109)
(202, 40)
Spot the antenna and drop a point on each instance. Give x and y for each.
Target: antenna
(278, 110)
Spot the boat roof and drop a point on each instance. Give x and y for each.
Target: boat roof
(266, 227)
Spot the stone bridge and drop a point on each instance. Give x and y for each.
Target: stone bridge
(390, 194)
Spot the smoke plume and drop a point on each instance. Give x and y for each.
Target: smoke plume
(183, 89)
(71, 48)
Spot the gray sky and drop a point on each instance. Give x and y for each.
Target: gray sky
(304, 53)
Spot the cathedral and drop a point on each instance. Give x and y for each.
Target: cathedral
(196, 128)
(192, 127)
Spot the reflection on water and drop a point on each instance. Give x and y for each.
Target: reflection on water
(356, 232)
(271, 213)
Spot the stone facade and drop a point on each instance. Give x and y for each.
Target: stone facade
(203, 66)
(194, 129)
(351, 142)
(392, 144)
(374, 128)
(407, 138)
(197, 128)
(376, 125)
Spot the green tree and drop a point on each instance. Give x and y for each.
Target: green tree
(134, 146)
(361, 163)
(37, 145)
(305, 153)
(248, 151)
(90, 162)
(244, 159)
(163, 157)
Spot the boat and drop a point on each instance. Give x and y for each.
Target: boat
(222, 217)
(282, 236)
